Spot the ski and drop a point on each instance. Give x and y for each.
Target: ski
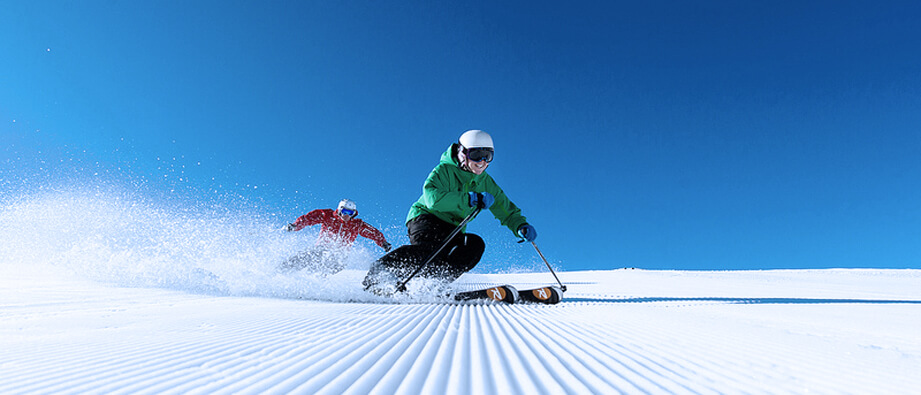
(550, 294)
(499, 293)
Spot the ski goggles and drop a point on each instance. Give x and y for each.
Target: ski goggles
(350, 213)
(479, 154)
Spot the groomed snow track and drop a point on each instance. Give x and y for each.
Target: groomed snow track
(68, 337)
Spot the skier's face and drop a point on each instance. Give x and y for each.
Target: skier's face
(477, 167)
(344, 216)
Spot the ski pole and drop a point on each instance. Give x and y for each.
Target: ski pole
(402, 286)
(563, 287)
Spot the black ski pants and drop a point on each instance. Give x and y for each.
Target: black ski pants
(426, 234)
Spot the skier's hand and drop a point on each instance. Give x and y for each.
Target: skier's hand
(290, 227)
(527, 232)
(386, 246)
(481, 199)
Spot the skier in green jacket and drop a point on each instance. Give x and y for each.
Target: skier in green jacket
(453, 190)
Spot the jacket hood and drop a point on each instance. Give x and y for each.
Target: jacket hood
(449, 156)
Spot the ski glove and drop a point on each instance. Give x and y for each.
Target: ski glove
(527, 232)
(481, 199)
(290, 227)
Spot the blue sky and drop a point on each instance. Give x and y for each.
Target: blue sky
(661, 135)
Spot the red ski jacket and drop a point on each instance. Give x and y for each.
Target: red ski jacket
(337, 230)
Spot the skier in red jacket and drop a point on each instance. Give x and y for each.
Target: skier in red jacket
(339, 230)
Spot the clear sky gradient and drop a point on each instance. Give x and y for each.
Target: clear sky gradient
(652, 134)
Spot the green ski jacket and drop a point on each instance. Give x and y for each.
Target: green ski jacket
(445, 194)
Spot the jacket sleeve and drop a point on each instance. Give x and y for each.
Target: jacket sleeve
(504, 209)
(443, 193)
(373, 234)
(312, 218)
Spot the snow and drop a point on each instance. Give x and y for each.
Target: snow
(100, 293)
(630, 331)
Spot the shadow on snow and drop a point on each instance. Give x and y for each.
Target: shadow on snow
(740, 300)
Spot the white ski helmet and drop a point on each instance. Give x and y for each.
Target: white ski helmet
(476, 139)
(348, 205)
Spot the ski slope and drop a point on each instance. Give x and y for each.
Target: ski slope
(618, 331)
(104, 291)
